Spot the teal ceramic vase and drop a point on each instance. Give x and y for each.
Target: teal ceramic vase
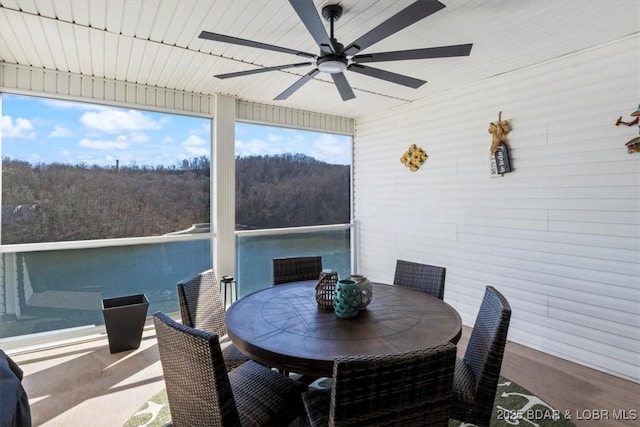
(347, 299)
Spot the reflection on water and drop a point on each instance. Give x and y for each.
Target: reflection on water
(64, 289)
(254, 255)
(52, 290)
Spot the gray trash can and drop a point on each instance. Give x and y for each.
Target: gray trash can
(124, 318)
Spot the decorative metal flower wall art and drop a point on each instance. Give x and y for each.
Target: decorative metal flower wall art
(414, 157)
(633, 145)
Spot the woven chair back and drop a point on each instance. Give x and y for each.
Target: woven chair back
(477, 374)
(422, 277)
(198, 387)
(295, 269)
(201, 305)
(411, 388)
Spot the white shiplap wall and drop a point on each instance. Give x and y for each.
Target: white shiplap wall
(559, 236)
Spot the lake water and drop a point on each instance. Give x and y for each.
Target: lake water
(64, 289)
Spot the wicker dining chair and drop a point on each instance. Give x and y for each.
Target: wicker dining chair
(294, 269)
(201, 392)
(477, 373)
(201, 307)
(402, 389)
(421, 277)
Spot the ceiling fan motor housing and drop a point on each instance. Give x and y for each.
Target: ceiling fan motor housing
(332, 64)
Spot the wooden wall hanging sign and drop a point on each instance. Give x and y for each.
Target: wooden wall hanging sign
(499, 160)
(503, 162)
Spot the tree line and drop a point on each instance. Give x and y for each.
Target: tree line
(62, 202)
(291, 190)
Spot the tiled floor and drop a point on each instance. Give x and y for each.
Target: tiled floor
(84, 385)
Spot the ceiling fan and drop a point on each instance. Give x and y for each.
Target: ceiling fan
(334, 58)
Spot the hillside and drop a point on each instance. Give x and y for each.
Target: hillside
(59, 202)
(290, 190)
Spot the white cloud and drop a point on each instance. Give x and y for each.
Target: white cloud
(331, 149)
(272, 144)
(59, 132)
(326, 147)
(205, 128)
(275, 138)
(256, 147)
(20, 128)
(138, 138)
(196, 146)
(120, 143)
(115, 120)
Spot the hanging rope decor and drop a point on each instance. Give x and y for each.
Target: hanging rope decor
(499, 132)
(414, 157)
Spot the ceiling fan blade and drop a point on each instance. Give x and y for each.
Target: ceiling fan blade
(410, 15)
(343, 86)
(425, 53)
(400, 79)
(297, 85)
(243, 42)
(307, 12)
(261, 70)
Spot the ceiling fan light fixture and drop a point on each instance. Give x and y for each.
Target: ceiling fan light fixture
(332, 64)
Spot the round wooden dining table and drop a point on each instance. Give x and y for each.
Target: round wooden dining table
(283, 327)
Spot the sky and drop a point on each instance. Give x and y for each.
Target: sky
(40, 130)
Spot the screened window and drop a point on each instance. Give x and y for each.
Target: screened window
(77, 171)
(291, 178)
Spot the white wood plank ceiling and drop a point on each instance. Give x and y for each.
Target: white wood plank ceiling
(155, 42)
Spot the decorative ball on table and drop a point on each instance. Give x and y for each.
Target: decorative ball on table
(365, 287)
